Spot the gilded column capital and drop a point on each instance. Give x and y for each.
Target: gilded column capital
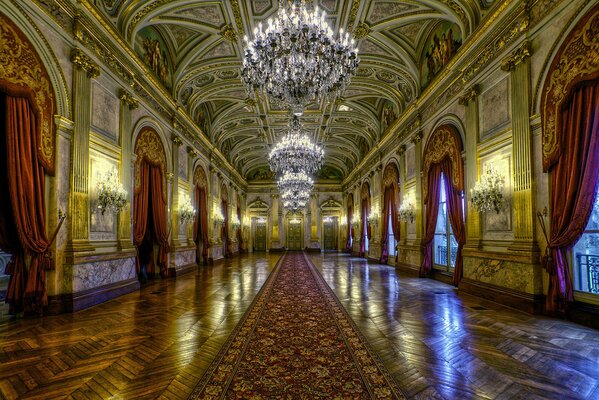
(176, 140)
(470, 95)
(417, 137)
(401, 150)
(128, 99)
(82, 61)
(516, 57)
(191, 152)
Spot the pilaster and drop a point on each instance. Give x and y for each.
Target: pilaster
(275, 239)
(403, 225)
(83, 72)
(176, 140)
(127, 103)
(473, 219)
(417, 140)
(518, 65)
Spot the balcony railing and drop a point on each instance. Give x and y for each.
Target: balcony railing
(590, 264)
(442, 254)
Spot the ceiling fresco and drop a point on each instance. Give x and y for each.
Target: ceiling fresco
(195, 48)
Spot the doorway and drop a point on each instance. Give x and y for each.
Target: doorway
(294, 235)
(260, 238)
(330, 233)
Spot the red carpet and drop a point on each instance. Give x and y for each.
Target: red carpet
(296, 342)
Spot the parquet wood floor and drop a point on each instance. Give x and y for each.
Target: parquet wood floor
(157, 343)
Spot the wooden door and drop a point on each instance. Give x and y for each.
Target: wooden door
(260, 238)
(294, 237)
(330, 236)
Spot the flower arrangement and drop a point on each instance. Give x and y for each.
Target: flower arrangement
(407, 209)
(186, 211)
(111, 195)
(487, 194)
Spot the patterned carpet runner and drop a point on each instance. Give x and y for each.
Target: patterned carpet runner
(296, 342)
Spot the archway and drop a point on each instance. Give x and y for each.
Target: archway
(27, 140)
(570, 119)
(150, 202)
(443, 184)
(365, 226)
(390, 231)
(200, 227)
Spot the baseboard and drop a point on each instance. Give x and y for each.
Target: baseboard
(408, 269)
(175, 272)
(584, 314)
(527, 302)
(71, 302)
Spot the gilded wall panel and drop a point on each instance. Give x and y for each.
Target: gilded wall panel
(105, 112)
(494, 109)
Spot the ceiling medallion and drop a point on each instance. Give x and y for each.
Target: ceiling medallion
(297, 59)
(296, 152)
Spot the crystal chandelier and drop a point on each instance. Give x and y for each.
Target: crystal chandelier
(296, 59)
(295, 188)
(296, 152)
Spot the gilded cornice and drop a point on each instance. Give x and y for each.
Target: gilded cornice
(471, 93)
(516, 57)
(128, 99)
(82, 61)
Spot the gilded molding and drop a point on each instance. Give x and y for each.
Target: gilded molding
(471, 94)
(237, 16)
(128, 99)
(82, 61)
(176, 140)
(191, 152)
(229, 33)
(362, 30)
(444, 142)
(353, 13)
(401, 150)
(417, 137)
(199, 177)
(516, 57)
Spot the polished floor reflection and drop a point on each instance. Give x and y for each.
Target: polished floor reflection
(436, 343)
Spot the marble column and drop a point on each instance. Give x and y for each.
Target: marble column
(473, 218)
(83, 72)
(417, 140)
(518, 65)
(127, 103)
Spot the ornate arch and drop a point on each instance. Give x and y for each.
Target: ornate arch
(390, 175)
(443, 143)
(22, 73)
(577, 60)
(199, 177)
(148, 147)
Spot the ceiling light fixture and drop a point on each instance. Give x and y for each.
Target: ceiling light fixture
(297, 59)
(296, 152)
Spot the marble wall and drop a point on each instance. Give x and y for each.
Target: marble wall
(100, 273)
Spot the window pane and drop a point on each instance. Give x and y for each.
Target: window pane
(585, 255)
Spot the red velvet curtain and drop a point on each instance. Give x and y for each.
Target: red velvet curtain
(389, 206)
(350, 212)
(151, 184)
(227, 251)
(574, 180)
(23, 205)
(365, 226)
(239, 232)
(454, 210)
(200, 229)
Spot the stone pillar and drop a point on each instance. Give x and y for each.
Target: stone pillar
(275, 239)
(314, 222)
(83, 72)
(403, 226)
(127, 103)
(518, 64)
(417, 140)
(176, 140)
(473, 218)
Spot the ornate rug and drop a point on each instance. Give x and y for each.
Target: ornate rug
(296, 342)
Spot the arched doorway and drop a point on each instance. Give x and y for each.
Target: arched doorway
(570, 119)
(149, 206)
(364, 225)
(443, 187)
(27, 139)
(390, 231)
(200, 227)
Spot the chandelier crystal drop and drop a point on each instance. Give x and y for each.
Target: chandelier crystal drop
(295, 188)
(296, 152)
(297, 58)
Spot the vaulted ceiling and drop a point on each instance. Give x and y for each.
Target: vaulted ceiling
(195, 47)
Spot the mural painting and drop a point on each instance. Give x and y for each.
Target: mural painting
(329, 173)
(388, 116)
(442, 44)
(262, 173)
(152, 49)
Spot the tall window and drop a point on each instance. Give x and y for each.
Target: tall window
(365, 227)
(585, 254)
(391, 243)
(445, 245)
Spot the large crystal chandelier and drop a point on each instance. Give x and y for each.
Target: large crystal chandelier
(296, 152)
(297, 59)
(295, 188)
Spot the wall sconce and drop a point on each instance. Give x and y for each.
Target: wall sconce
(235, 223)
(112, 197)
(217, 217)
(186, 211)
(407, 210)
